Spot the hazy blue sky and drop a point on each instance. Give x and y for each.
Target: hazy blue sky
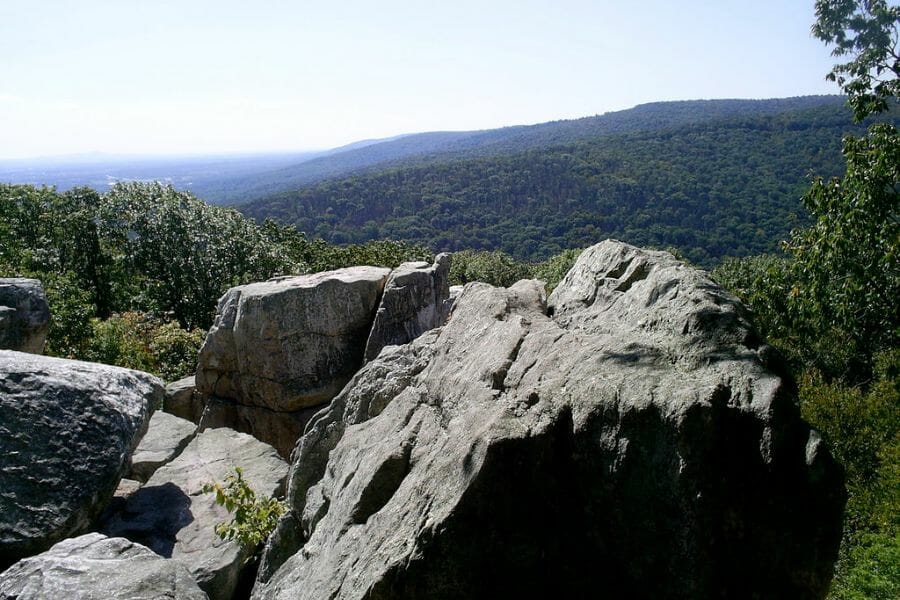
(192, 76)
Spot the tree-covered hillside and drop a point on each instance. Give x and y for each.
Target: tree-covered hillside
(712, 189)
(442, 146)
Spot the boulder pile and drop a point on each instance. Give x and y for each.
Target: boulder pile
(627, 436)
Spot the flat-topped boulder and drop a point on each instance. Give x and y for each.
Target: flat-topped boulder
(94, 566)
(24, 315)
(67, 433)
(629, 436)
(292, 342)
(172, 516)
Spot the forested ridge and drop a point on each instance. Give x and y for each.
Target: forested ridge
(724, 187)
(441, 146)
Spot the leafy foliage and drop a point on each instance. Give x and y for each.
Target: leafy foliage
(552, 270)
(865, 31)
(863, 430)
(254, 517)
(847, 264)
(500, 269)
(140, 341)
(496, 268)
(831, 305)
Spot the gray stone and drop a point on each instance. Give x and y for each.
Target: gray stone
(173, 517)
(278, 429)
(166, 437)
(290, 343)
(24, 315)
(455, 291)
(412, 303)
(92, 567)
(630, 436)
(67, 433)
(182, 400)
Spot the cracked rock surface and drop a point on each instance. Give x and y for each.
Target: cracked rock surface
(629, 434)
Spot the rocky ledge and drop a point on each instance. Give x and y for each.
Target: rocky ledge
(630, 434)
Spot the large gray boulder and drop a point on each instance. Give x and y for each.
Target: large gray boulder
(166, 437)
(172, 516)
(413, 303)
(286, 345)
(93, 566)
(24, 315)
(292, 342)
(67, 432)
(631, 437)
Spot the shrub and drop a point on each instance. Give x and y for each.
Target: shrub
(140, 341)
(254, 517)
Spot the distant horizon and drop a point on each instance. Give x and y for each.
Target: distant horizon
(87, 157)
(203, 77)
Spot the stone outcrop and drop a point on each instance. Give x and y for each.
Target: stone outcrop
(166, 437)
(183, 401)
(286, 345)
(67, 432)
(93, 566)
(173, 517)
(412, 303)
(24, 315)
(292, 342)
(629, 435)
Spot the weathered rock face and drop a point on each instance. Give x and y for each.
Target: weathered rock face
(93, 566)
(173, 517)
(166, 437)
(24, 315)
(182, 400)
(67, 432)
(413, 303)
(629, 436)
(292, 342)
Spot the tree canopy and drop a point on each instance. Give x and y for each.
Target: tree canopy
(865, 31)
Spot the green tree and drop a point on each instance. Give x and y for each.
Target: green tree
(865, 31)
(847, 264)
(846, 269)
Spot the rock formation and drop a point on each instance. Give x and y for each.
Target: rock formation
(287, 344)
(24, 315)
(629, 435)
(292, 342)
(67, 432)
(93, 566)
(173, 517)
(412, 303)
(280, 350)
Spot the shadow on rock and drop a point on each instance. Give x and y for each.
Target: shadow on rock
(153, 516)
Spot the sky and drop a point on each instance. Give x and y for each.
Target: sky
(198, 77)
